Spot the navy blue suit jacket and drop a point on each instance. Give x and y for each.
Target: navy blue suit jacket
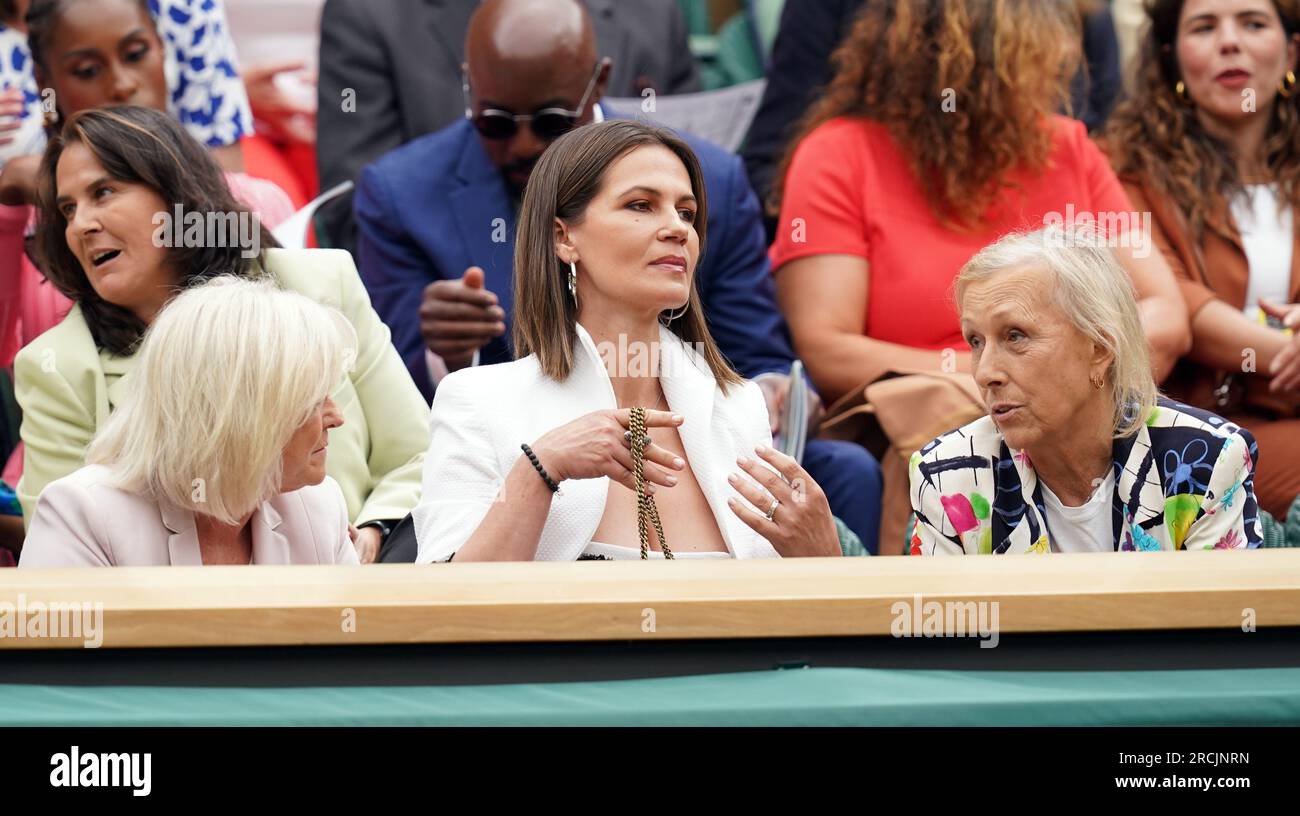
(436, 206)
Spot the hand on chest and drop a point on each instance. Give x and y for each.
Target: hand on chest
(688, 520)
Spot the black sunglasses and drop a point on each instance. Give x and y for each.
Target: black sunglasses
(548, 124)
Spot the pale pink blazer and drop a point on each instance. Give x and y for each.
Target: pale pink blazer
(82, 520)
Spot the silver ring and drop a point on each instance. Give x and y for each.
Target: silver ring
(645, 440)
(771, 511)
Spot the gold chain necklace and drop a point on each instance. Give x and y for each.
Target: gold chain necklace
(646, 511)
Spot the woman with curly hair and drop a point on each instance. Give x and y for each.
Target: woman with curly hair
(1210, 144)
(937, 136)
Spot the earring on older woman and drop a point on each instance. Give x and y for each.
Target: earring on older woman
(1287, 86)
(1097, 381)
(573, 282)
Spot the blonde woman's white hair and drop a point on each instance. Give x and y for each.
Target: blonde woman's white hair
(225, 375)
(1094, 293)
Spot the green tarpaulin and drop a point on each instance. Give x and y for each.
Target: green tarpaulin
(792, 697)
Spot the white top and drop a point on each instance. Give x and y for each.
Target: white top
(616, 552)
(1082, 529)
(480, 416)
(1267, 237)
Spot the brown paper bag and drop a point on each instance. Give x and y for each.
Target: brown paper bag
(895, 416)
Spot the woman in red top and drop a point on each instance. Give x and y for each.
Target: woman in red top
(936, 137)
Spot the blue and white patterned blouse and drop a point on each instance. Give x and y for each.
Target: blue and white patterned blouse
(16, 72)
(206, 94)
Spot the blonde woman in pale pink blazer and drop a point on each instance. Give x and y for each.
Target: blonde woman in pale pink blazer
(218, 454)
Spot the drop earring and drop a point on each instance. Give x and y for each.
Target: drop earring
(674, 315)
(573, 281)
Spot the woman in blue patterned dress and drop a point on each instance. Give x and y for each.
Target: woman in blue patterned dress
(1078, 452)
(204, 89)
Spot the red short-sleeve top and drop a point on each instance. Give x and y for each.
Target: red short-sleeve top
(850, 192)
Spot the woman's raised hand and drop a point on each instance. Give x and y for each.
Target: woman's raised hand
(595, 445)
(784, 505)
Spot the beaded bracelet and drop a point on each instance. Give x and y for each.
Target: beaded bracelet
(546, 477)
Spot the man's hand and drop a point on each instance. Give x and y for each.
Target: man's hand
(458, 317)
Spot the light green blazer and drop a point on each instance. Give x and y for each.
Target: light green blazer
(67, 386)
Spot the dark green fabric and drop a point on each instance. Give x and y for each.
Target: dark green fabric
(696, 15)
(1278, 534)
(1293, 524)
(1273, 534)
(850, 544)
(738, 59)
(791, 697)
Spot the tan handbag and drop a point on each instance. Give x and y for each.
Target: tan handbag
(893, 417)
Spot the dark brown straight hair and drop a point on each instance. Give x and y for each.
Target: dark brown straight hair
(138, 146)
(565, 180)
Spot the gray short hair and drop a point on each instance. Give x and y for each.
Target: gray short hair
(1095, 294)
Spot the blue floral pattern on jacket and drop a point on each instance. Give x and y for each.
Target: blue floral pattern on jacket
(1184, 481)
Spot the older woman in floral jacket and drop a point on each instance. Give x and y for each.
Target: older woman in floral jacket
(1078, 452)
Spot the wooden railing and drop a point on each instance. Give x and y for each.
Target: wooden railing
(453, 603)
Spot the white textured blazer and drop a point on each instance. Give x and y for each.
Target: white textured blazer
(481, 415)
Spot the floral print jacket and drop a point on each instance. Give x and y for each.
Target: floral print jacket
(1184, 481)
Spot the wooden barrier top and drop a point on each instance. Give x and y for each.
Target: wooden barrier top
(592, 601)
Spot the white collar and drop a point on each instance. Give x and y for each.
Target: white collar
(692, 392)
(681, 367)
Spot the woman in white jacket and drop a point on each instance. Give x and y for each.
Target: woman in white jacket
(531, 460)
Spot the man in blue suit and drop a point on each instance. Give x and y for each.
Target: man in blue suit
(436, 221)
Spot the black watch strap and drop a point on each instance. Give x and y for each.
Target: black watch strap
(384, 527)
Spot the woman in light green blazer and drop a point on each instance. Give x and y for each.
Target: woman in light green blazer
(133, 210)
